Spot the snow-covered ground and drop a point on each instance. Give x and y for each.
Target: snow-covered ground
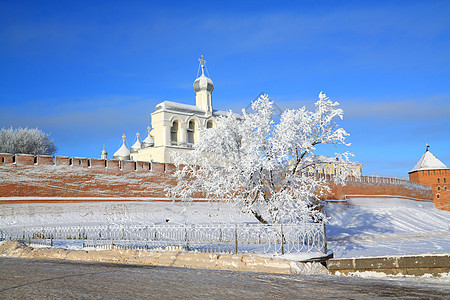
(104, 213)
(363, 227)
(392, 226)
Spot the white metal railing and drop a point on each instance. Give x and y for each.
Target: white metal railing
(216, 238)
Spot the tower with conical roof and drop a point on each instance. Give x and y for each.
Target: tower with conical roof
(429, 170)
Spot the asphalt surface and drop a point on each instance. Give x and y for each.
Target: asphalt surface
(41, 279)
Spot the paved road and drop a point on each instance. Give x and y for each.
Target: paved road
(34, 279)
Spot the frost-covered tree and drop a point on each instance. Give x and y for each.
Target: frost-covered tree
(261, 166)
(26, 141)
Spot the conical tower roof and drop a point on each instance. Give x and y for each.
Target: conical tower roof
(428, 162)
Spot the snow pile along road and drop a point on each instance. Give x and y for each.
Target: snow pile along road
(387, 226)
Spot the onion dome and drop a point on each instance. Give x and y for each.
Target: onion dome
(203, 83)
(149, 141)
(137, 146)
(123, 153)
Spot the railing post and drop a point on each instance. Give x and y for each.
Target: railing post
(235, 239)
(282, 240)
(186, 237)
(324, 237)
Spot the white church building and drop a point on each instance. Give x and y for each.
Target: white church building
(175, 127)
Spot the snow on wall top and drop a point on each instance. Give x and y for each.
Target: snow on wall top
(428, 162)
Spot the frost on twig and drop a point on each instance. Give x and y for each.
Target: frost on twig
(26, 141)
(263, 167)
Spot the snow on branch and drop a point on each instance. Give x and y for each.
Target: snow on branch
(261, 167)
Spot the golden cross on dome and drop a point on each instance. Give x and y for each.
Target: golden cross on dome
(123, 138)
(202, 61)
(148, 129)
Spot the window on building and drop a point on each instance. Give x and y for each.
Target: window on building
(174, 133)
(438, 181)
(191, 132)
(428, 172)
(434, 172)
(209, 124)
(439, 172)
(423, 172)
(445, 181)
(437, 196)
(439, 188)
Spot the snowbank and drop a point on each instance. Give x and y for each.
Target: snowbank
(387, 226)
(235, 262)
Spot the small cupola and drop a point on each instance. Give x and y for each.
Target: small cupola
(104, 154)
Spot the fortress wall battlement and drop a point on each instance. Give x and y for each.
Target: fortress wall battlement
(80, 177)
(83, 162)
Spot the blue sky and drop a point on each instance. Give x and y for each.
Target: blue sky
(87, 73)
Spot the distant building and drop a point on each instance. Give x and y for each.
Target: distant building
(330, 165)
(432, 172)
(176, 126)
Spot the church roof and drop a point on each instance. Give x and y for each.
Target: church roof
(179, 107)
(428, 162)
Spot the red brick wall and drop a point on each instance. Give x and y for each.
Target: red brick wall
(75, 181)
(79, 162)
(127, 166)
(158, 167)
(97, 163)
(372, 185)
(113, 164)
(62, 160)
(6, 158)
(142, 166)
(45, 160)
(24, 159)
